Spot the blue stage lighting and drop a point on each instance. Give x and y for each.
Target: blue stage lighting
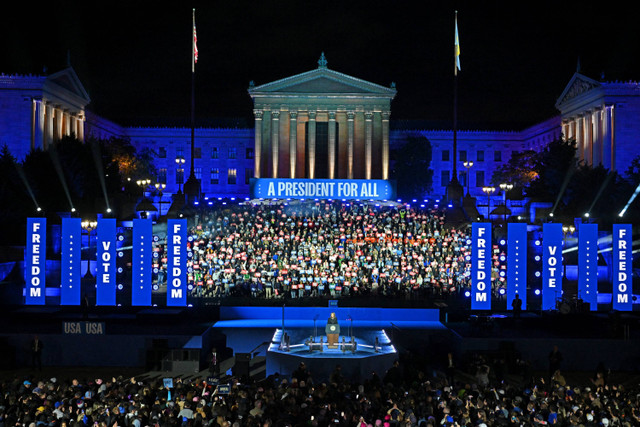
(467, 294)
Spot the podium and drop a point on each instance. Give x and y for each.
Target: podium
(333, 334)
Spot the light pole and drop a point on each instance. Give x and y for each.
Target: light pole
(89, 226)
(468, 164)
(180, 161)
(489, 191)
(505, 187)
(143, 183)
(160, 187)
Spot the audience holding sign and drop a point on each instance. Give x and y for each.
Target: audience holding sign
(325, 248)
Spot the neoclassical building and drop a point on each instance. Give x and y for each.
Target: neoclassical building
(321, 124)
(603, 119)
(35, 111)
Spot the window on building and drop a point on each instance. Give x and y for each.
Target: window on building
(198, 173)
(479, 178)
(162, 175)
(197, 152)
(232, 153)
(497, 156)
(248, 174)
(444, 178)
(214, 152)
(231, 176)
(250, 153)
(463, 155)
(480, 156)
(180, 153)
(215, 176)
(445, 155)
(179, 176)
(162, 152)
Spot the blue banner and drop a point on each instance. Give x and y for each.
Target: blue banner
(481, 266)
(35, 258)
(71, 261)
(282, 188)
(516, 263)
(176, 262)
(551, 265)
(141, 256)
(622, 267)
(588, 264)
(106, 271)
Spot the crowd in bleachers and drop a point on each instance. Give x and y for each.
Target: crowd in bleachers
(405, 396)
(302, 249)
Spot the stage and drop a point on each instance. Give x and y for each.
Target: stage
(363, 345)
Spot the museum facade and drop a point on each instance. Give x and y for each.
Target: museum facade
(321, 124)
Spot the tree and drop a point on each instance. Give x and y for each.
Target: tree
(411, 168)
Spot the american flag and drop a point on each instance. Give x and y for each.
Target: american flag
(195, 39)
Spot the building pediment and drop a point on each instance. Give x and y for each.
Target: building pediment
(322, 81)
(66, 85)
(577, 87)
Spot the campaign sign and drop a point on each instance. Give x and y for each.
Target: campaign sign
(70, 262)
(283, 188)
(106, 271)
(481, 266)
(141, 256)
(622, 267)
(176, 262)
(551, 265)
(35, 260)
(516, 263)
(588, 264)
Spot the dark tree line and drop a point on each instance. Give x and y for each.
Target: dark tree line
(87, 176)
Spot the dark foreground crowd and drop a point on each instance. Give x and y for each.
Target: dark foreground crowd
(404, 396)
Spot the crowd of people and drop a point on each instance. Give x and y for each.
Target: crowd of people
(333, 248)
(405, 396)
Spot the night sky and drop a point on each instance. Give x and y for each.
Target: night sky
(135, 60)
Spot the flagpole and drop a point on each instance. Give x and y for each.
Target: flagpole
(454, 189)
(192, 186)
(455, 99)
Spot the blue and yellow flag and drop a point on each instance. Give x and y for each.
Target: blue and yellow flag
(456, 46)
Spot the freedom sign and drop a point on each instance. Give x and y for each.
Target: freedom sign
(481, 266)
(176, 262)
(35, 260)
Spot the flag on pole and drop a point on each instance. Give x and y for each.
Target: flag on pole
(195, 39)
(456, 46)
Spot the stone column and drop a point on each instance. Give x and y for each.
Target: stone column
(385, 145)
(611, 114)
(368, 141)
(67, 123)
(588, 137)
(275, 142)
(58, 124)
(597, 137)
(38, 124)
(48, 131)
(350, 141)
(579, 138)
(311, 135)
(331, 150)
(257, 144)
(293, 142)
(81, 127)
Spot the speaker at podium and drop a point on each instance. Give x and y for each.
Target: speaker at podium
(333, 331)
